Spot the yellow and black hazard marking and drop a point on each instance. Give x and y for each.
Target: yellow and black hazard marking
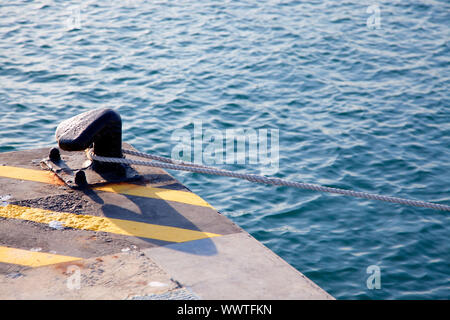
(96, 222)
(104, 224)
(31, 258)
(122, 188)
(20, 173)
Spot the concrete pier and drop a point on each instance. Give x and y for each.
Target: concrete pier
(149, 239)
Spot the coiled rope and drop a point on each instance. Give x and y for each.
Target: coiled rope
(167, 163)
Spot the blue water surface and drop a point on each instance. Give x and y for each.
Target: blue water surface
(360, 98)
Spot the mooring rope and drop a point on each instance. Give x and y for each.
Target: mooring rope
(167, 163)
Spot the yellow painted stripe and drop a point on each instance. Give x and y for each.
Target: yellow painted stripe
(30, 175)
(156, 193)
(104, 224)
(122, 188)
(30, 258)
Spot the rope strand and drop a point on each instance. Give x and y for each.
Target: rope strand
(167, 163)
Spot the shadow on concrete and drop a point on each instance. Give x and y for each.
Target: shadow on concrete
(113, 205)
(156, 211)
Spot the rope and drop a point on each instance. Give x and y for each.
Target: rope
(166, 163)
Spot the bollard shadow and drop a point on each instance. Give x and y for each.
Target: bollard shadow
(157, 211)
(92, 195)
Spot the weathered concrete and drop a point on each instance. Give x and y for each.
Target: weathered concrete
(122, 255)
(118, 276)
(235, 266)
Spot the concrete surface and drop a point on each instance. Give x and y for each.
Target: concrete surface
(235, 266)
(110, 260)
